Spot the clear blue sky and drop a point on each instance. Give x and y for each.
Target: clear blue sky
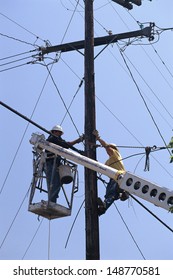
(121, 118)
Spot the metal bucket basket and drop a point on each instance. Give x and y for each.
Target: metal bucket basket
(66, 175)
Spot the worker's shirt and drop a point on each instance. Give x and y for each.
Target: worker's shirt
(115, 161)
(58, 141)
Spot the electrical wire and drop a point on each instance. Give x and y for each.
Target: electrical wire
(12, 56)
(27, 249)
(10, 168)
(171, 87)
(151, 44)
(68, 237)
(62, 100)
(14, 61)
(162, 61)
(24, 133)
(129, 232)
(151, 213)
(70, 21)
(126, 128)
(170, 125)
(18, 40)
(119, 120)
(21, 26)
(17, 66)
(126, 225)
(133, 79)
(81, 83)
(10, 227)
(49, 238)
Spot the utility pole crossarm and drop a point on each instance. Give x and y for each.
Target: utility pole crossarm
(127, 4)
(98, 41)
(159, 196)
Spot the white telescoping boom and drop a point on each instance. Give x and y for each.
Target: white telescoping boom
(131, 183)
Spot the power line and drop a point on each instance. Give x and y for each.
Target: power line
(49, 238)
(17, 66)
(62, 100)
(18, 40)
(163, 62)
(13, 110)
(118, 120)
(8, 231)
(147, 86)
(34, 123)
(27, 249)
(14, 61)
(20, 143)
(144, 101)
(73, 224)
(151, 213)
(129, 232)
(159, 69)
(162, 29)
(12, 56)
(124, 223)
(81, 83)
(21, 26)
(70, 21)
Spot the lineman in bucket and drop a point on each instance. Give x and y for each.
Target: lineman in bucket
(53, 162)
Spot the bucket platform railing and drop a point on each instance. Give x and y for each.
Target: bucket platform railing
(68, 177)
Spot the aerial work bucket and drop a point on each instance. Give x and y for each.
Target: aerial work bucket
(65, 173)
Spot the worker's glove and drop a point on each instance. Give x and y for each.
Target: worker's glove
(171, 159)
(170, 145)
(81, 138)
(96, 133)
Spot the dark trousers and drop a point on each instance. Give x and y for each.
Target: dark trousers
(53, 178)
(112, 193)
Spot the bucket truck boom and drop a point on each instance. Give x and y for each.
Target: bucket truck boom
(131, 183)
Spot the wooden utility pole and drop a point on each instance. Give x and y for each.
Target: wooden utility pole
(91, 216)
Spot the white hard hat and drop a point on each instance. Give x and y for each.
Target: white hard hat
(57, 128)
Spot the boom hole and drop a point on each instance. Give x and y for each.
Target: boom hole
(129, 182)
(162, 196)
(170, 201)
(153, 193)
(137, 185)
(145, 189)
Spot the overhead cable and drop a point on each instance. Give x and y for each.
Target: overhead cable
(17, 66)
(5, 237)
(151, 213)
(21, 26)
(62, 100)
(16, 39)
(12, 56)
(32, 238)
(129, 232)
(34, 123)
(144, 101)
